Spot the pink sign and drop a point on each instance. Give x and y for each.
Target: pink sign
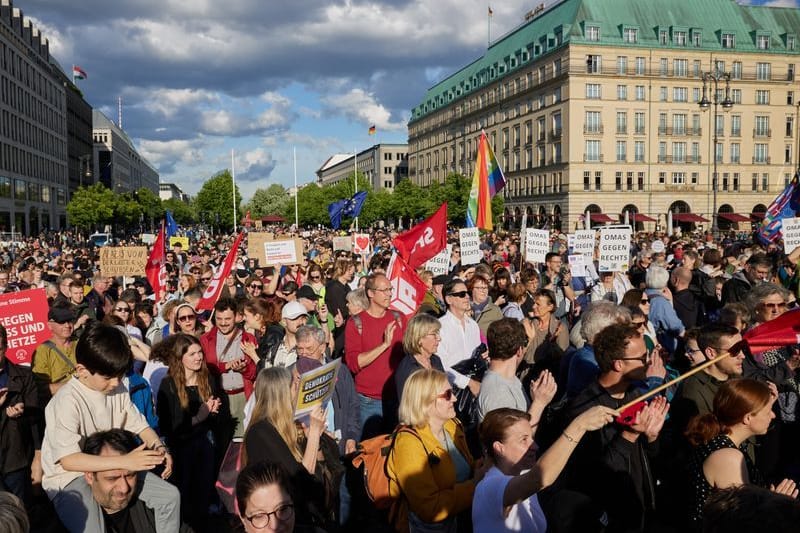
(24, 315)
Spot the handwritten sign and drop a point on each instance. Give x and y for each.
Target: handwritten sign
(343, 243)
(316, 387)
(790, 227)
(184, 242)
(361, 244)
(537, 245)
(283, 252)
(255, 244)
(24, 315)
(615, 249)
(123, 261)
(439, 264)
(470, 241)
(584, 242)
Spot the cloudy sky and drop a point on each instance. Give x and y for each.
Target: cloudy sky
(201, 77)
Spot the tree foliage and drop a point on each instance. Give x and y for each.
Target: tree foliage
(91, 207)
(216, 197)
(270, 201)
(182, 212)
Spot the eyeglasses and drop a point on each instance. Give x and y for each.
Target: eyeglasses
(122, 309)
(262, 520)
(205, 279)
(770, 305)
(314, 278)
(388, 290)
(480, 288)
(459, 294)
(448, 395)
(434, 334)
(643, 358)
(256, 286)
(186, 318)
(639, 324)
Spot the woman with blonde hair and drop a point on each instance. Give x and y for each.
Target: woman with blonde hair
(430, 459)
(186, 282)
(191, 419)
(273, 436)
(420, 342)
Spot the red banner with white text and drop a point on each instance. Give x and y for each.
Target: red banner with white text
(424, 240)
(24, 315)
(211, 294)
(408, 289)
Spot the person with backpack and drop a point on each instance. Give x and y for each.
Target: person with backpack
(430, 460)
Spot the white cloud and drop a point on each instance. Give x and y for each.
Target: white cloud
(361, 106)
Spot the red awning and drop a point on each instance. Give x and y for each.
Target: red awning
(638, 217)
(758, 216)
(687, 217)
(272, 218)
(600, 217)
(735, 217)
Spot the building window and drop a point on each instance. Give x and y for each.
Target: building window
(679, 38)
(622, 148)
(598, 180)
(697, 67)
(755, 181)
(663, 37)
(679, 124)
(695, 152)
(765, 182)
(618, 181)
(720, 150)
(736, 96)
(789, 127)
(638, 123)
(762, 42)
(762, 97)
(725, 180)
(638, 151)
(662, 177)
(587, 177)
(679, 152)
(663, 66)
(763, 71)
(761, 153)
(622, 65)
(630, 35)
(593, 91)
(735, 153)
(695, 176)
(762, 126)
(790, 42)
(736, 71)
(593, 64)
(640, 66)
(728, 40)
(678, 178)
(622, 92)
(680, 67)
(592, 33)
(697, 38)
(640, 181)
(662, 94)
(622, 122)
(662, 152)
(720, 125)
(787, 154)
(593, 151)
(680, 94)
(640, 93)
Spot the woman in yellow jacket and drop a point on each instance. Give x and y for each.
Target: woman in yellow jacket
(430, 460)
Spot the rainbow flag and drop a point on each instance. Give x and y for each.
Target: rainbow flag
(487, 181)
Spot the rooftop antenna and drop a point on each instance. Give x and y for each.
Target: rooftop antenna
(119, 112)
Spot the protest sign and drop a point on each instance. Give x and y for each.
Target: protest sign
(577, 265)
(439, 264)
(361, 243)
(123, 261)
(343, 243)
(790, 227)
(148, 238)
(615, 249)
(255, 244)
(537, 244)
(24, 315)
(584, 242)
(283, 252)
(470, 241)
(408, 290)
(316, 387)
(657, 246)
(183, 240)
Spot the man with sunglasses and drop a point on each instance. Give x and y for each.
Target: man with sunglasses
(460, 333)
(612, 465)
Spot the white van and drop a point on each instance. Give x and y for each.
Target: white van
(100, 239)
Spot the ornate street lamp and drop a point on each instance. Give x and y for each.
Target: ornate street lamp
(726, 103)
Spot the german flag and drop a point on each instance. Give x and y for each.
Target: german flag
(372, 130)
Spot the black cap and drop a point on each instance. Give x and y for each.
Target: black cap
(61, 314)
(307, 292)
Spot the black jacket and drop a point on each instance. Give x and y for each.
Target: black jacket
(736, 288)
(19, 437)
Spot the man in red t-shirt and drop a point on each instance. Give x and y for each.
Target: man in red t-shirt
(373, 348)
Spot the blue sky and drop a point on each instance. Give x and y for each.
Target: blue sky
(201, 77)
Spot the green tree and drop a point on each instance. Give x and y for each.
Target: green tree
(270, 201)
(216, 197)
(91, 207)
(182, 212)
(149, 203)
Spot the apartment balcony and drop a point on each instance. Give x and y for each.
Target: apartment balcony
(593, 129)
(593, 158)
(762, 133)
(555, 135)
(762, 160)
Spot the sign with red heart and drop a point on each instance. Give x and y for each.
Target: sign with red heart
(361, 243)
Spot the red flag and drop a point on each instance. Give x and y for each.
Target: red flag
(211, 294)
(409, 289)
(777, 333)
(247, 220)
(424, 240)
(155, 269)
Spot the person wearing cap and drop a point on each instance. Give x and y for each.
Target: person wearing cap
(433, 302)
(316, 308)
(282, 351)
(54, 360)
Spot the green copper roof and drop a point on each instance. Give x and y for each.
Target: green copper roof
(566, 22)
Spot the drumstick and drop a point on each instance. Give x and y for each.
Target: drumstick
(672, 382)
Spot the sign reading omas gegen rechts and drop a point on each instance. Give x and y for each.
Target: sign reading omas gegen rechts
(615, 249)
(790, 228)
(123, 260)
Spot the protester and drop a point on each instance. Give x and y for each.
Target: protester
(420, 343)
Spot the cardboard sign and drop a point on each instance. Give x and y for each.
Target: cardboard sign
(361, 243)
(24, 315)
(183, 240)
(470, 241)
(583, 242)
(123, 260)
(615, 249)
(577, 265)
(283, 252)
(439, 264)
(790, 227)
(316, 387)
(255, 244)
(343, 243)
(537, 245)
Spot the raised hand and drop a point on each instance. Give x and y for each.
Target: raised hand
(787, 487)
(595, 418)
(142, 459)
(543, 390)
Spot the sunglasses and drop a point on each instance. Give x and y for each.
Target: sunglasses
(315, 278)
(459, 294)
(769, 305)
(639, 324)
(186, 318)
(122, 309)
(448, 395)
(205, 279)
(256, 286)
(643, 358)
(645, 300)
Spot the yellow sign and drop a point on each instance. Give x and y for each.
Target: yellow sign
(183, 240)
(316, 387)
(123, 261)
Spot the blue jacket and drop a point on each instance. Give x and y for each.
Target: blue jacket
(142, 398)
(665, 320)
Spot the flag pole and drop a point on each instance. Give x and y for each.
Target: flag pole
(355, 179)
(296, 212)
(73, 74)
(233, 184)
(489, 28)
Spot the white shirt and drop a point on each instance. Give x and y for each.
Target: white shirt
(488, 509)
(458, 342)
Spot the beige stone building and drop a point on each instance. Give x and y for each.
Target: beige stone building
(594, 105)
(383, 165)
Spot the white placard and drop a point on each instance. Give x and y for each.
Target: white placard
(584, 242)
(577, 265)
(280, 252)
(790, 227)
(361, 243)
(537, 245)
(615, 249)
(470, 241)
(439, 264)
(657, 246)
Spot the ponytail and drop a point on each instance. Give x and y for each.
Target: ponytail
(703, 428)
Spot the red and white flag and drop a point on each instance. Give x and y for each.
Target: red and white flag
(211, 294)
(408, 289)
(247, 220)
(424, 240)
(156, 269)
(777, 333)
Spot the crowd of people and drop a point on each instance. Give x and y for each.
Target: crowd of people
(502, 393)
